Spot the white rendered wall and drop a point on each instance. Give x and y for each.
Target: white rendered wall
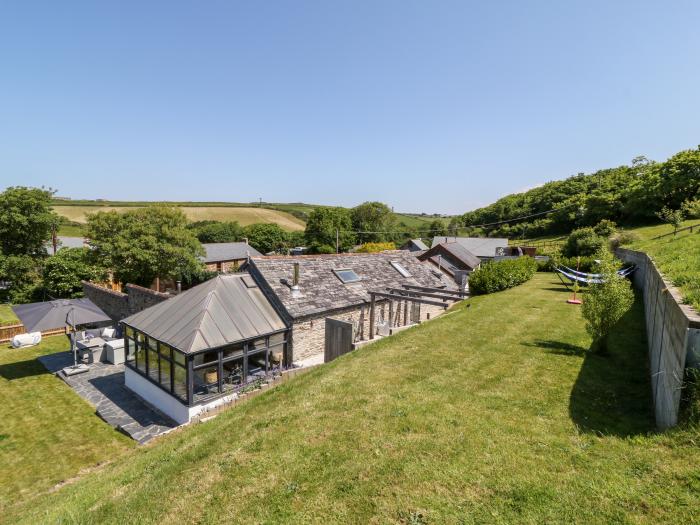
(166, 403)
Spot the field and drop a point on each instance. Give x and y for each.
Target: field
(493, 413)
(7, 316)
(243, 215)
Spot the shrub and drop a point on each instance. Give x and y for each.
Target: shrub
(606, 303)
(605, 228)
(374, 247)
(584, 242)
(622, 238)
(500, 275)
(691, 208)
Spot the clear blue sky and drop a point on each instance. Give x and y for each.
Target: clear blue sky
(431, 106)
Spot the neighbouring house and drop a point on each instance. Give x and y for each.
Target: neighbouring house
(307, 290)
(414, 245)
(451, 259)
(227, 257)
(485, 248)
(198, 349)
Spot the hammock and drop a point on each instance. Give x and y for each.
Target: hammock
(588, 278)
(623, 272)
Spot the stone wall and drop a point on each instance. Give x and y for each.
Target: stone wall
(309, 335)
(673, 335)
(118, 305)
(225, 266)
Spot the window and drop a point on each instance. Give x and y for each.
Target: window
(249, 282)
(399, 268)
(346, 275)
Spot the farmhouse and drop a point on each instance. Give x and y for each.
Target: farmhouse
(195, 351)
(226, 257)
(307, 290)
(485, 248)
(451, 259)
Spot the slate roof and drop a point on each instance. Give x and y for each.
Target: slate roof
(482, 247)
(322, 291)
(414, 245)
(221, 311)
(453, 256)
(227, 251)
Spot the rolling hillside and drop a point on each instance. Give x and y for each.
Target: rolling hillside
(514, 423)
(244, 215)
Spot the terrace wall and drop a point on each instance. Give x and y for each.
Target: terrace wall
(119, 305)
(673, 335)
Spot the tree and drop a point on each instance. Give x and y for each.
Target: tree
(64, 272)
(21, 272)
(215, 231)
(691, 208)
(437, 228)
(606, 303)
(375, 218)
(583, 242)
(322, 225)
(142, 244)
(266, 237)
(26, 220)
(605, 228)
(672, 217)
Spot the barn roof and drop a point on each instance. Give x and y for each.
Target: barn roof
(451, 256)
(321, 289)
(227, 251)
(479, 246)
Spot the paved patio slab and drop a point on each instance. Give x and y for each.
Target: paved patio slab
(103, 387)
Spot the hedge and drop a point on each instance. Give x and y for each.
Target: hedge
(496, 276)
(587, 264)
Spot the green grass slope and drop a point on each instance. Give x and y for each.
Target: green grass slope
(494, 413)
(47, 433)
(677, 257)
(7, 316)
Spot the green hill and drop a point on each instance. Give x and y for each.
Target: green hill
(492, 413)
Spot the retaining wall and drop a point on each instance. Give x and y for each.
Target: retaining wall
(119, 305)
(673, 335)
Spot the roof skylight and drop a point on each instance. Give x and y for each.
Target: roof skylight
(346, 275)
(399, 268)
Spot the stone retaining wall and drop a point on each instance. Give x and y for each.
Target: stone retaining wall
(673, 335)
(119, 305)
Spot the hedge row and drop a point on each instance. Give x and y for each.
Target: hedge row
(496, 276)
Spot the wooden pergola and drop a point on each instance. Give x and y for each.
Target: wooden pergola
(416, 295)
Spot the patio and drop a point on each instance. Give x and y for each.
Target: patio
(103, 387)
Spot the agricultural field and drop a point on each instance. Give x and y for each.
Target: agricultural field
(416, 428)
(244, 215)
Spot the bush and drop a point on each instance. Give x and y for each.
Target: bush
(501, 275)
(605, 228)
(584, 242)
(587, 264)
(606, 303)
(622, 238)
(374, 247)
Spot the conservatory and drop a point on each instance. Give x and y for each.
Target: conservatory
(199, 349)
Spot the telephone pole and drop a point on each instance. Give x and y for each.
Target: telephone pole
(337, 238)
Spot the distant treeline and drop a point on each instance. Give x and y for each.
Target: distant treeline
(632, 194)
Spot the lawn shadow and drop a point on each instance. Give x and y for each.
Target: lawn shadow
(558, 347)
(612, 393)
(22, 369)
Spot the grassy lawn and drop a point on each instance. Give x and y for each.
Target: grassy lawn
(7, 316)
(494, 413)
(47, 433)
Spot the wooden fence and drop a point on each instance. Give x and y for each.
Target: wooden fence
(7, 332)
(687, 228)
